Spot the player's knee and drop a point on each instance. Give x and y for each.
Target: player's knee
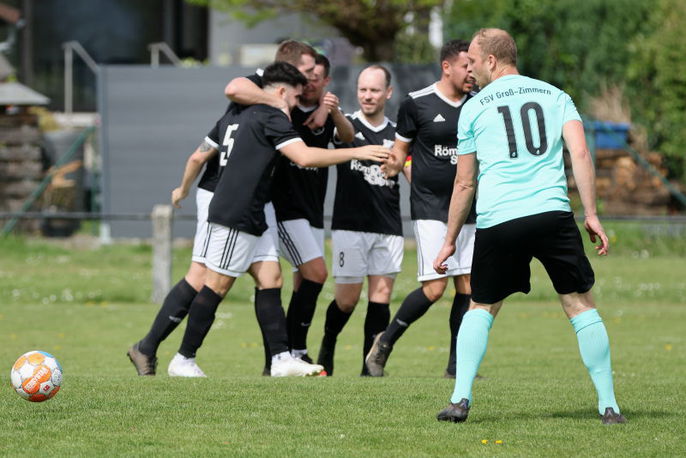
(269, 282)
(346, 306)
(196, 275)
(434, 291)
(380, 295)
(316, 275)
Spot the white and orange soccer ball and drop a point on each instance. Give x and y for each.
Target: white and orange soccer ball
(36, 376)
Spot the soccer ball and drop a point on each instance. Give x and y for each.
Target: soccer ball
(36, 376)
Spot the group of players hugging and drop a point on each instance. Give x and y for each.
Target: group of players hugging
(261, 196)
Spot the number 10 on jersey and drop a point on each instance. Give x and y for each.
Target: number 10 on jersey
(526, 127)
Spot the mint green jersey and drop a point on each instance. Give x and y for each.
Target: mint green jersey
(515, 127)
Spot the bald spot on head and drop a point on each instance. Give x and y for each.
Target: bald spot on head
(499, 43)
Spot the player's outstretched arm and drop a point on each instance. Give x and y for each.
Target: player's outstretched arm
(584, 175)
(464, 188)
(396, 160)
(194, 164)
(306, 156)
(244, 92)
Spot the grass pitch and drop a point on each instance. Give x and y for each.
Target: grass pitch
(87, 306)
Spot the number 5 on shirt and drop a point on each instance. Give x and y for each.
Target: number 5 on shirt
(228, 143)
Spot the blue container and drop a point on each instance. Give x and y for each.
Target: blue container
(609, 135)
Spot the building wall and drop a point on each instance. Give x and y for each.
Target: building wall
(153, 118)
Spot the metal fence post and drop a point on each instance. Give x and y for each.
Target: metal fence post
(161, 251)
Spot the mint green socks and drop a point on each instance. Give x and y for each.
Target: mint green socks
(594, 347)
(472, 340)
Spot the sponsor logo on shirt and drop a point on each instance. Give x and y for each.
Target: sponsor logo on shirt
(445, 151)
(372, 174)
(439, 118)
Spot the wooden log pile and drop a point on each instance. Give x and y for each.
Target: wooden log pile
(21, 164)
(624, 187)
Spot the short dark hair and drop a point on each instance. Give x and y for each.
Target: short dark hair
(451, 49)
(283, 72)
(321, 59)
(290, 51)
(385, 71)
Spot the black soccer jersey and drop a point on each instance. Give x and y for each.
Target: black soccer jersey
(365, 200)
(210, 176)
(298, 192)
(428, 120)
(251, 139)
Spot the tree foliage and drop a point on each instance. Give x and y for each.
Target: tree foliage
(657, 81)
(577, 46)
(586, 47)
(372, 25)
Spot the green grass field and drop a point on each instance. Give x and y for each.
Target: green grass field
(87, 306)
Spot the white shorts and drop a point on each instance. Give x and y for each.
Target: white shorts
(202, 202)
(299, 242)
(268, 245)
(430, 235)
(358, 254)
(231, 252)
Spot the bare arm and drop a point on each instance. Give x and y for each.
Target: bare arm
(460, 205)
(584, 175)
(306, 156)
(407, 170)
(396, 161)
(194, 164)
(344, 128)
(243, 91)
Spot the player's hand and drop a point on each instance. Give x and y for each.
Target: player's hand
(595, 229)
(330, 101)
(446, 251)
(391, 167)
(177, 196)
(318, 118)
(375, 153)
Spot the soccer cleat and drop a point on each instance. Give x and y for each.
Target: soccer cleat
(305, 357)
(180, 366)
(610, 417)
(144, 364)
(285, 365)
(377, 357)
(325, 358)
(267, 371)
(456, 413)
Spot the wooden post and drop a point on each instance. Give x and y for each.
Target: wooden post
(161, 251)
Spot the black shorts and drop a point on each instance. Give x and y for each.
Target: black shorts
(502, 255)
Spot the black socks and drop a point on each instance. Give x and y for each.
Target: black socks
(413, 307)
(173, 311)
(459, 308)
(272, 322)
(375, 322)
(200, 319)
(300, 313)
(336, 320)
